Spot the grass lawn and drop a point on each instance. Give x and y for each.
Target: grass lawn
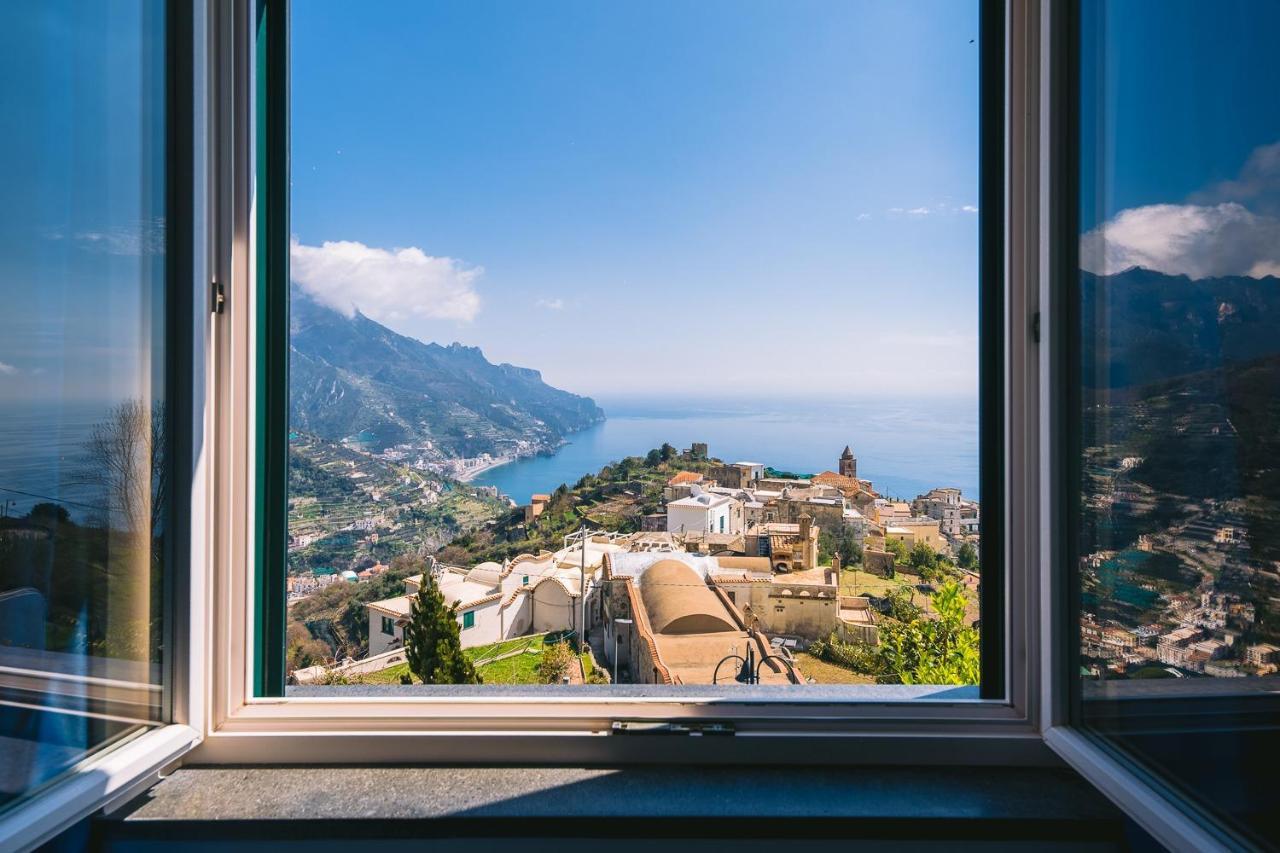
(828, 673)
(517, 669)
(864, 583)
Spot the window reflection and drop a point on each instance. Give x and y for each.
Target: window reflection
(1179, 368)
(83, 483)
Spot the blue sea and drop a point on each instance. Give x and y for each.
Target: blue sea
(905, 447)
(42, 456)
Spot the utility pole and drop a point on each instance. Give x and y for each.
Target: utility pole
(582, 589)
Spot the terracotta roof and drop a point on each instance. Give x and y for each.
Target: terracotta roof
(645, 632)
(678, 601)
(684, 477)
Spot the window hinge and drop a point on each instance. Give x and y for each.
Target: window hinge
(219, 297)
(645, 727)
(1035, 327)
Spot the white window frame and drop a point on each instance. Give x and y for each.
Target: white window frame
(216, 721)
(874, 726)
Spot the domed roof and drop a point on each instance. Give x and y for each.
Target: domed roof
(489, 573)
(678, 601)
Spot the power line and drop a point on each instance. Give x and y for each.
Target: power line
(51, 498)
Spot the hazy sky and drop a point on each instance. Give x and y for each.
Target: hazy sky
(714, 198)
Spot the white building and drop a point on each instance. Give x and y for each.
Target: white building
(495, 602)
(704, 512)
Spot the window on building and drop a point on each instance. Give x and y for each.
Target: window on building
(469, 619)
(1175, 412)
(388, 625)
(91, 433)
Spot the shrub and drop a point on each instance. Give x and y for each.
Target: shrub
(556, 661)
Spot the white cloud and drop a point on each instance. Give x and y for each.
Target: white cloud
(919, 211)
(550, 304)
(8, 369)
(145, 237)
(1195, 240)
(1257, 184)
(388, 285)
(969, 208)
(863, 217)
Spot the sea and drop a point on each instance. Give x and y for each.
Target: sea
(42, 456)
(905, 447)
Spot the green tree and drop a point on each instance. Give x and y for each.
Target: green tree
(923, 557)
(840, 539)
(431, 640)
(898, 549)
(967, 557)
(934, 651)
(668, 452)
(653, 458)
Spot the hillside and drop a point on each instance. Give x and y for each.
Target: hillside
(1141, 327)
(339, 497)
(614, 498)
(352, 376)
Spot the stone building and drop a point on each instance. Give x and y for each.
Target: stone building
(848, 464)
(789, 547)
(738, 475)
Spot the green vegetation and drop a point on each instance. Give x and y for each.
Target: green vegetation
(843, 541)
(431, 640)
(333, 488)
(915, 650)
(614, 498)
(898, 549)
(517, 661)
(776, 474)
(967, 557)
(333, 623)
(557, 660)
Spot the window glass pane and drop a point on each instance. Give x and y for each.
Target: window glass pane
(732, 250)
(82, 411)
(1179, 417)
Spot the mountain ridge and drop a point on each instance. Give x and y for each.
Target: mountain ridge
(1140, 326)
(354, 376)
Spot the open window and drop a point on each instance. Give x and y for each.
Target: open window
(95, 425)
(1165, 262)
(443, 191)
(322, 480)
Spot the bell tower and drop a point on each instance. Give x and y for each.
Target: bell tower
(848, 465)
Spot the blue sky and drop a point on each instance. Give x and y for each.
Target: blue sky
(81, 226)
(1180, 137)
(711, 199)
(627, 196)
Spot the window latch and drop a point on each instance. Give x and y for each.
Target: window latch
(646, 727)
(219, 297)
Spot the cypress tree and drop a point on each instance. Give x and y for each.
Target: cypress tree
(431, 640)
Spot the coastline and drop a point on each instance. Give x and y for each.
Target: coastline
(476, 472)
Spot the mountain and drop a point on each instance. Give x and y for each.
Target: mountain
(352, 376)
(1141, 326)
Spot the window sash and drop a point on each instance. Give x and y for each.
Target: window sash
(1008, 598)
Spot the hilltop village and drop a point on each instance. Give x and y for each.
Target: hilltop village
(662, 568)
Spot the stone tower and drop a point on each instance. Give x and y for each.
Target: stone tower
(848, 465)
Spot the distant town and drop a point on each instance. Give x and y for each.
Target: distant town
(1181, 599)
(675, 568)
